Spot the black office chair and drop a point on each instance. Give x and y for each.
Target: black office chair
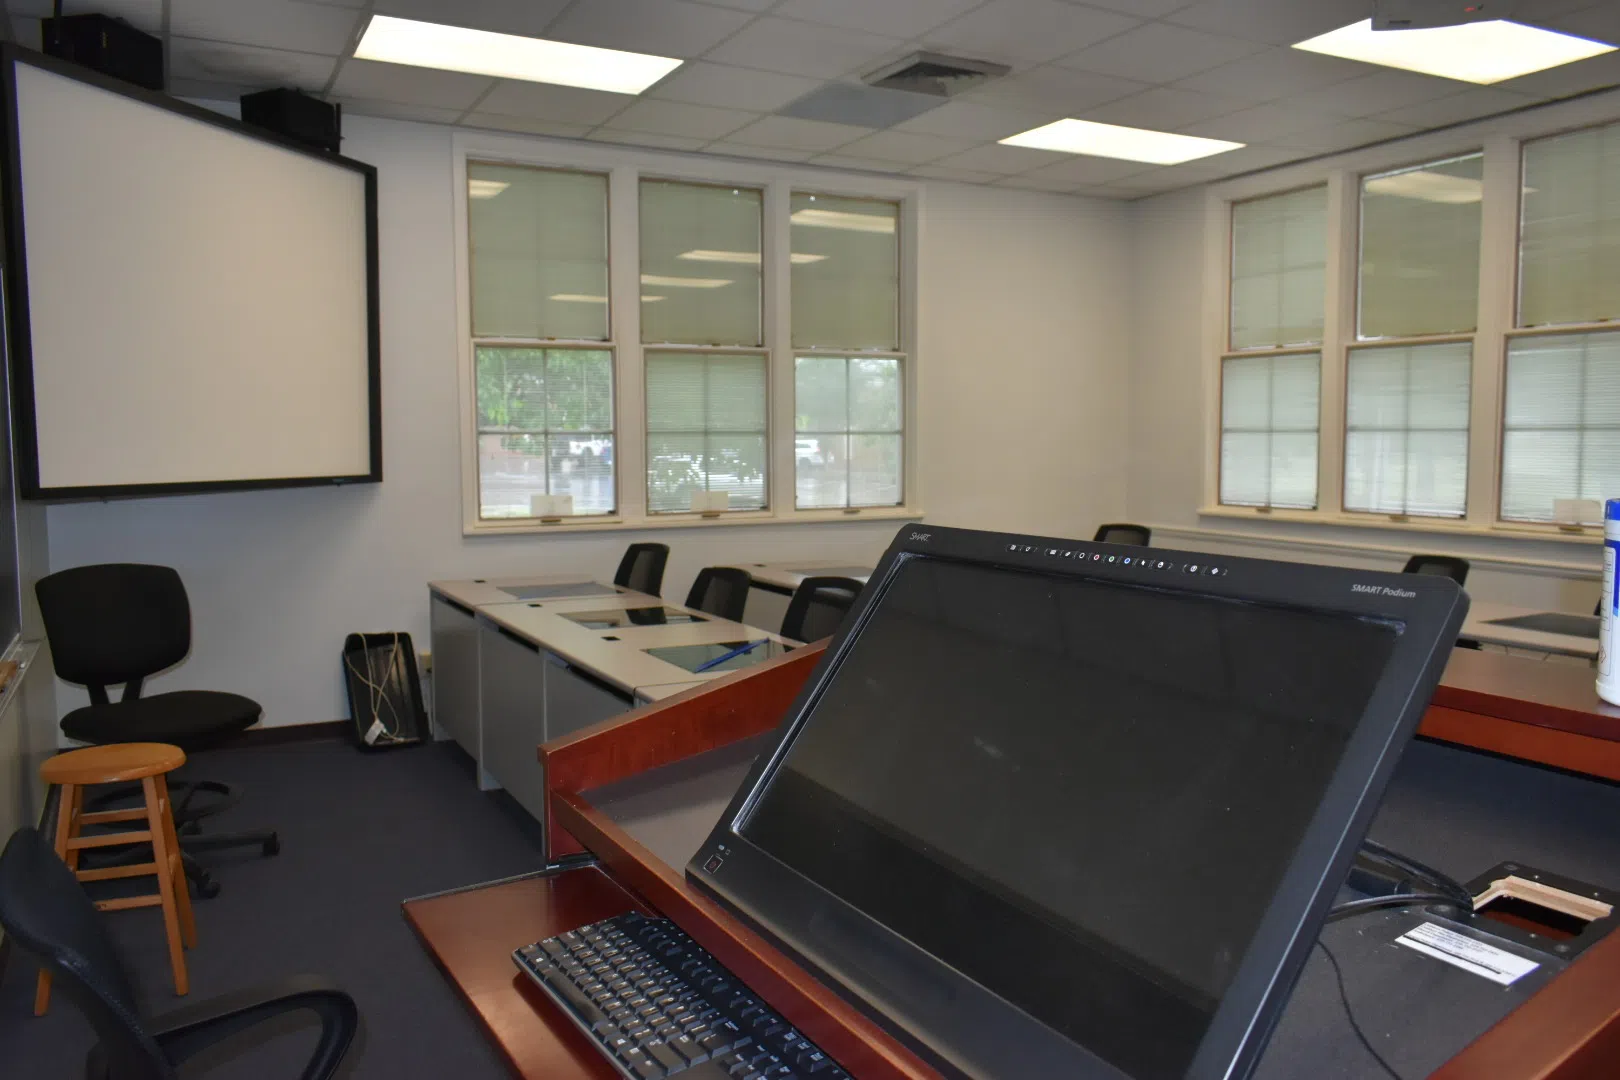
(642, 568)
(1120, 532)
(47, 915)
(721, 591)
(119, 623)
(818, 606)
(1440, 565)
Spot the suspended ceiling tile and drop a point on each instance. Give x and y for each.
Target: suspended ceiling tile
(767, 153)
(896, 18)
(659, 27)
(1084, 169)
(699, 82)
(1005, 160)
(391, 110)
(686, 121)
(143, 15)
(981, 123)
(1276, 22)
(794, 134)
(1142, 9)
(526, 124)
(905, 146)
(1024, 33)
(1345, 135)
(248, 66)
(371, 80)
(946, 172)
(839, 161)
(1050, 88)
(271, 24)
(561, 104)
(1576, 78)
(1276, 73)
(800, 48)
(643, 138)
(1376, 92)
(1031, 182)
(1162, 109)
(1471, 104)
(1262, 123)
(1161, 52)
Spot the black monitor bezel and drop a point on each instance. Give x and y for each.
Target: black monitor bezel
(781, 903)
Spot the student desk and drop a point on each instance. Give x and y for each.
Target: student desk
(775, 583)
(639, 793)
(1483, 624)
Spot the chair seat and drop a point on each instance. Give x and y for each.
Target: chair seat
(190, 719)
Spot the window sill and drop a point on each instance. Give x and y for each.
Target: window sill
(530, 526)
(1591, 535)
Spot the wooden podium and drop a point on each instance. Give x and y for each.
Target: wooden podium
(1535, 713)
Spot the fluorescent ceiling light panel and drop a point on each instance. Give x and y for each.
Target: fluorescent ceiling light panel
(578, 298)
(1428, 186)
(485, 189)
(1124, 143)
(843, 219)
(750, 258)
(1481, 52)
(685, 282)
(508, 56)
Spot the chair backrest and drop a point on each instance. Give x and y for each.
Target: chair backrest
(722, 591)
(1120, 532)
(818, 606)
(46, 914)
(642, 568)
(1440, 565)
(114, 623)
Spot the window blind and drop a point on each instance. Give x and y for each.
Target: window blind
(545, 427)
(1406, 429)
(539, 253)
(847, 445)
(845, 273)
(1270, 409)
(1279, 258)
(706, 429)
(1569, 231)
(1420, 249)
(1561, 422)
(700, 264)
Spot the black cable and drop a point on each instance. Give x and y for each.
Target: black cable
(1344, 999)
(1401, 899)
(1425, 873)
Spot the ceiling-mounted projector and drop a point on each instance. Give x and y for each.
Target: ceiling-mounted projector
(1426, 14)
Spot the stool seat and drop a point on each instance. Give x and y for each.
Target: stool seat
(112, 763)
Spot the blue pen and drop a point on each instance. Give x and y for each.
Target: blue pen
(723, 657)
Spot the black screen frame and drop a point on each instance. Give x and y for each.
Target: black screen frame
(963, 1028)
(24, 419)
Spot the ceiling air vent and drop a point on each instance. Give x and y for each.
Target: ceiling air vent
(935, 74)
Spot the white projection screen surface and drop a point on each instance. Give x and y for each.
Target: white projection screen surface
(200, 301)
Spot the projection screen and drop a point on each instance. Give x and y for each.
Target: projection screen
(193, 303)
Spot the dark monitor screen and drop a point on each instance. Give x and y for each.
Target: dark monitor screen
(719, 655)
(1081, 794)
(637, 616)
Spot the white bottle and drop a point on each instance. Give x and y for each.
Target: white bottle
(1608, 681)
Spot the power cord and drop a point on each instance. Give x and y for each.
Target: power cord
(1355, 1026)
(1373, 851)
(1401, 899)
(377, 692)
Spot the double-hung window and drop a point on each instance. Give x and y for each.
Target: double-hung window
(702, 332)
(849, 368)
(542, 342)
(1408, 374)
(1271, 373)
(1561, 404)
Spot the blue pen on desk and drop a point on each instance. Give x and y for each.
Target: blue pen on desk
(723, 657)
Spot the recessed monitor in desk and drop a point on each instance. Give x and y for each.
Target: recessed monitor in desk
(1043, 812)
(558, 592)
(719, 655)
(636, 616)
(1554, 622)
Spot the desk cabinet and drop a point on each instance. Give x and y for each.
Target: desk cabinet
(453, 632)
(576, 699)
(512, 679)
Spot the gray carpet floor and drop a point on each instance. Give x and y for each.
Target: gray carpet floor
(359, 832)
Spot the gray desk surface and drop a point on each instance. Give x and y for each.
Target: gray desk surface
(622, 662)
(480, 591)
(1480, 627)
(1460, 811)
(786, 576)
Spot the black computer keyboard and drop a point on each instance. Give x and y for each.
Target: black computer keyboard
(657, 1005)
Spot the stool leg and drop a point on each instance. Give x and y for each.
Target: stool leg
(177, 870)
(67, 827)
(156, 815)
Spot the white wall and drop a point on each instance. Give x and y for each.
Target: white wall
(1171, 370)
(1022, 366)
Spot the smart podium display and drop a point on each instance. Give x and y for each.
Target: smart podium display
(1080, 795)
(193, 303)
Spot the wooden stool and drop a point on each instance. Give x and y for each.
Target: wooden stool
(112, 764)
